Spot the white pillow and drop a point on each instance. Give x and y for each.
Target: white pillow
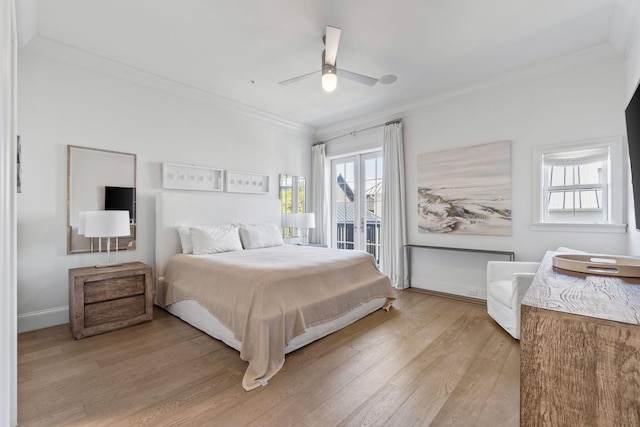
(260, 236)
(212, 240)
(185, 240)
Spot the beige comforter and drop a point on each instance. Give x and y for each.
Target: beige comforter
(268, 296)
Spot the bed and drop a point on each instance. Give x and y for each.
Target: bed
(266, 301)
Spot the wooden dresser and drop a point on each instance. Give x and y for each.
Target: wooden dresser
(108, 298)
(580, 350)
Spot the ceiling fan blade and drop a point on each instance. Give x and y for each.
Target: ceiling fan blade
(331, 41)
(360, 78)
(296, 79)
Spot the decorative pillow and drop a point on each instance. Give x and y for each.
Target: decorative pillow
(212, 240)
(185, 240)
(260, 236)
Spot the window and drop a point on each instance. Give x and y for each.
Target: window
(580, 185)
(576, 186)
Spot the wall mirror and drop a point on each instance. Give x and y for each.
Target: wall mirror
(292, 198)
(93, 176)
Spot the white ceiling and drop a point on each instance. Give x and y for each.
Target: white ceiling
(239, 50)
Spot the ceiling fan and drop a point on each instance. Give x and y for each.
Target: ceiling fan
(329, 70)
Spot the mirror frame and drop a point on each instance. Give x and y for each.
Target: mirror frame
(73, 180)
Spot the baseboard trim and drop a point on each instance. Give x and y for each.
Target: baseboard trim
(43, 319)
(472, 288)
(450, 296)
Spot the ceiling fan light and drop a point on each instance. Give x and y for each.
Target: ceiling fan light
(329, 82)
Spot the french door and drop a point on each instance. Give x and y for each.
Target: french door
(356, 202)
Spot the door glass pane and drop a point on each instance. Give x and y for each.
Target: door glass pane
(373, 203)
(345, 203)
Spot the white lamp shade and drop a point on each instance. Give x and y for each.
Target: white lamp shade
(106, 224)
(82, 222)
(305, 220)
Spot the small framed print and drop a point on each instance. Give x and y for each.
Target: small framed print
(188, 177)
(243, 182)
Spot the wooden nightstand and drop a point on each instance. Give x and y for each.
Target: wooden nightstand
(108, 298)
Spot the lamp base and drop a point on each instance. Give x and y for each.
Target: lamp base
(114, 264)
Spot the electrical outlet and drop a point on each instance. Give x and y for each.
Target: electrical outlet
(472, 292)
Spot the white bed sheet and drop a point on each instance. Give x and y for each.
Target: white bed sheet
(196, 315)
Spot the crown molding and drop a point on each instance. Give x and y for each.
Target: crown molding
(600, 54)
(73, 56)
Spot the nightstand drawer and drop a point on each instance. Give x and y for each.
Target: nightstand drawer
(109, 289)
(109, 311)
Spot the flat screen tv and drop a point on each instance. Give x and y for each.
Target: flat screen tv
(632, 115)
(121, 199)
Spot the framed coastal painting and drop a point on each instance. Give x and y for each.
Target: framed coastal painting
(466, 190)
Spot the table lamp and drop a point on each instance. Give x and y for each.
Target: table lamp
(305, 221)
(107, 224)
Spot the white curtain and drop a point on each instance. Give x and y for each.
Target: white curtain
(319, 202)
(393, 231)
(8, 302)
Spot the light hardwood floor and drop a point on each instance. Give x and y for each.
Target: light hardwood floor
(429, 361)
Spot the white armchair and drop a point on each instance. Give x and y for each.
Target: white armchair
(507, 282)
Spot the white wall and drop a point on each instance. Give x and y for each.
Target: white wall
(563, 104)
(61, 104)
(582, 104)
(356, 142)
(633, 62)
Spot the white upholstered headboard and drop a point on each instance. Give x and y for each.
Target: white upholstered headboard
(186, 208)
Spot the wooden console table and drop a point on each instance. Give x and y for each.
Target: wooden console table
(579, 351)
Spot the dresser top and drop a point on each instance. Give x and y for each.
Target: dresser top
(601, 297)
(127, 266)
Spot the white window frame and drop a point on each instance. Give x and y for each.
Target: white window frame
(569, 160)
(614, 210)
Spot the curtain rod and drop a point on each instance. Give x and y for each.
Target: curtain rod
(353, 133)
